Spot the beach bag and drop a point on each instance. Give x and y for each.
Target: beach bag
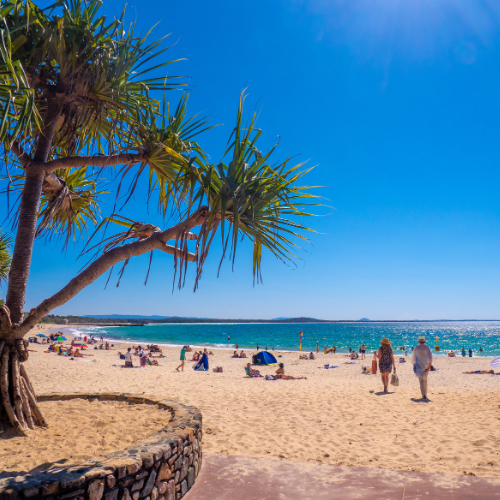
(270, 377)
(394, 379)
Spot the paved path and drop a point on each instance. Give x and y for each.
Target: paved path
(226, 477)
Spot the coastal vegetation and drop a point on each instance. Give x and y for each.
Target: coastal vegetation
(84, 101)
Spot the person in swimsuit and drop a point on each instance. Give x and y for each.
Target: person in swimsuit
(386, 361)
(280, 374)
(363, 351)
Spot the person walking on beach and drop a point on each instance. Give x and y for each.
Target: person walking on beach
(386, 361)
(374, 363)
(317, 347)
(142, 356)
(422, 361)
(183, 358)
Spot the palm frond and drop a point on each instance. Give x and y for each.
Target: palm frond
(5, 259)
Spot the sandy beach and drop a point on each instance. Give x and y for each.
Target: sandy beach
(336, 416)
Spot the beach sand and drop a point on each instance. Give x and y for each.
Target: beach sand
(336, 416)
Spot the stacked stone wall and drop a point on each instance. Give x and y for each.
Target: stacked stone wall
(163, 466)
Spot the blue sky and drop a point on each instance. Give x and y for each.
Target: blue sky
(397, 102)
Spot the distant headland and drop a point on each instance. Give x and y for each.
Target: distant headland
(129, 320)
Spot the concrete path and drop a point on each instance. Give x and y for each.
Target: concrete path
(226, 477)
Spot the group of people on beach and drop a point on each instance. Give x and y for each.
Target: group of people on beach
(421, 359)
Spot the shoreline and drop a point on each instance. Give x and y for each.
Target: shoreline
(397, 353)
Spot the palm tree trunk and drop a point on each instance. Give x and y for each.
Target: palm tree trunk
(28, 216)
(23, 249)
(19, 409)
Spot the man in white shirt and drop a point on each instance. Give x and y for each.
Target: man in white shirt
(422, 361)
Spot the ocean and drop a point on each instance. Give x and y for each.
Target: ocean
(452, 335)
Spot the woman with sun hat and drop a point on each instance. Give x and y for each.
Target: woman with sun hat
(386, 361)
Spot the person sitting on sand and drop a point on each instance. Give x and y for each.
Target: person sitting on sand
(354, 355)
(235, 354)
(242, 355)
(77, 354)
(280, 374)
(252, 372)
(70, 351)
(481, 372)
(451, 354)
(188, 349)
(311, 356)
(196, 356)
(210, 353)
(107, 346)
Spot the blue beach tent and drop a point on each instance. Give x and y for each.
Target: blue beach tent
(265, 358)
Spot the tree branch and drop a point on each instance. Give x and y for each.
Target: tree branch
(22, 156)
(157, 241)
(94, 161)
(190, 257)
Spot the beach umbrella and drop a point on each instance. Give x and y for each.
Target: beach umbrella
(495, 363)
(60, 339)
(41, 335)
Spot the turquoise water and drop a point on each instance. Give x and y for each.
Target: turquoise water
(452, 335)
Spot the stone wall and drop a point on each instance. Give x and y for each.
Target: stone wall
(163, 466)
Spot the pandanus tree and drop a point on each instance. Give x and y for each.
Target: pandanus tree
(81, 100)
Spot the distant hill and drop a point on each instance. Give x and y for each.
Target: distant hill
(139, 320)
(131, 316)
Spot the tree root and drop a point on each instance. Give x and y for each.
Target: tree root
(19, 409)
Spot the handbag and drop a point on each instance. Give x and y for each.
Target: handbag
(394, 379)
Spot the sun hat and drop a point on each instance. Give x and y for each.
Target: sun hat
(421, 339)
(386, 342)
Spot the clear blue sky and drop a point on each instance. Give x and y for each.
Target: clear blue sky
(397, 102)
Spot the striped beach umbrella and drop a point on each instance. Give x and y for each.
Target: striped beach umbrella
(495, 363)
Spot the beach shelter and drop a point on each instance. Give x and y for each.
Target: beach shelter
(60, 339)
(495, 363)
(265, 358)
(41, 335)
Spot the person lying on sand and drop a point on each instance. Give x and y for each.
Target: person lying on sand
(303, 356)
(280, 374)
(481, 372)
